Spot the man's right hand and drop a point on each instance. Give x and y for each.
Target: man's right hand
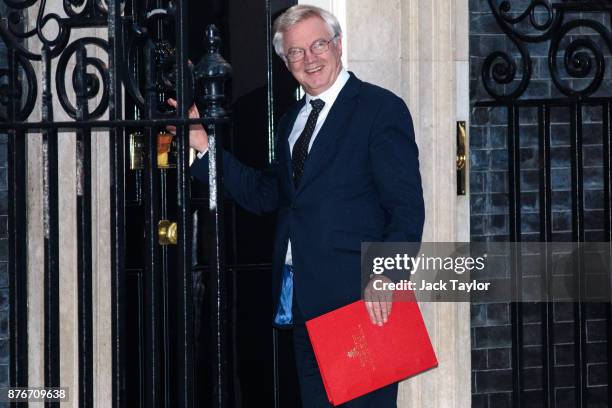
(378, 302)
(198, 138)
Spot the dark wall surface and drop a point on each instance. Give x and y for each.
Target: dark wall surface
(4, 291)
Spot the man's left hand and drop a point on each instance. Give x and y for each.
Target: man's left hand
(378, 302)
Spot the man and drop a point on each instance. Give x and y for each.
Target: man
(347, 172)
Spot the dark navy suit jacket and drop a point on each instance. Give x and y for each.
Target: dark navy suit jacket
(361, 182)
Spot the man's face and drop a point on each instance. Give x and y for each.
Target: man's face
(316, 73)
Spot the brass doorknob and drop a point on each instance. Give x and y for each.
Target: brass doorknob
(167, 232)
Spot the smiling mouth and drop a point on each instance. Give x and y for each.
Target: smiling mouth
(314, 70)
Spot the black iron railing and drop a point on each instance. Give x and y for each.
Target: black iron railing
(576, 63)
(150, 67)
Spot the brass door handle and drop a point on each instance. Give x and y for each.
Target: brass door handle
(167, 232)
(461, 157)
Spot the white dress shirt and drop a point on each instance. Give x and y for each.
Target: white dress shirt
(329, 97)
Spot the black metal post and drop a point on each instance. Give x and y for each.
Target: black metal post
(607, 157)
(152, 291)
(548, 361)
(212, 72)
(269, 84)
(578, 236)
(117, 176)
(51, 218)
(185, 332)
(514, 198)
(84, 237)
(99, 124)
(275, 362)
(18, 282)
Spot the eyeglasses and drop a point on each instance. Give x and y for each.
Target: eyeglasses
(318, 47)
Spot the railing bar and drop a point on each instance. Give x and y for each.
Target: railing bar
(70, 126)
(546, 236)
(18, 279)
(217, 278)
(275, 362)
(607, 155)
(51, 214)
(270, 84)
(514, 198)
(152, 362)
(185, 279)
(167, 331)
(578, 236)
(551, 102)
(117, 176)
(166, 356)
(84, 239)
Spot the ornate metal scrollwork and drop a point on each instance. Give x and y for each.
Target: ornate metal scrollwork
(52, 32)
(583, 59)
(503, 13)
(24, 93)
(79, 13)
(163, 59)
(93, 83)
(500, 68)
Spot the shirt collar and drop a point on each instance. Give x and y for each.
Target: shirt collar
(330, 95)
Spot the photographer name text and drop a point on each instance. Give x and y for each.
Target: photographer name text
(452, 284)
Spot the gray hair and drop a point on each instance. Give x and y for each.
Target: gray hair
(297, 14)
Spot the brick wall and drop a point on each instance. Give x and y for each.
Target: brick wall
(491, 326)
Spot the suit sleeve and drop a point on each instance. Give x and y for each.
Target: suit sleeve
(256, 191)
(395, 165)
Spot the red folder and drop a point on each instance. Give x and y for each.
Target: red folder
(356, 357)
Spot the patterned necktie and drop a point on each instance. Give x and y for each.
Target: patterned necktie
(300, 148)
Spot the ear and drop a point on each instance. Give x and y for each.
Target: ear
(339, 45)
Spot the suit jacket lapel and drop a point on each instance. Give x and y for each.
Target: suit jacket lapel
(336, 119)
